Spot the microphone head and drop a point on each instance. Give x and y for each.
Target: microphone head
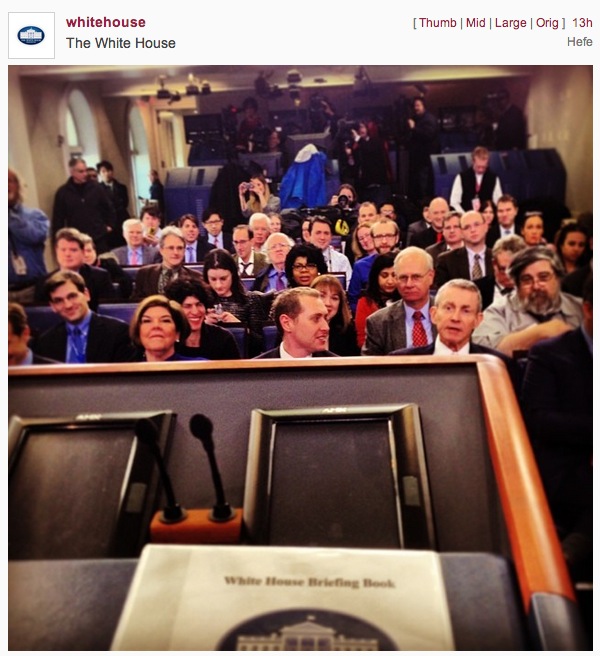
(201, 426)
(146, 431)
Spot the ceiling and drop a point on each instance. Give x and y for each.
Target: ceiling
(136, 81)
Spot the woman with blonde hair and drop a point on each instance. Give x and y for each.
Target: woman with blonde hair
(255, 196)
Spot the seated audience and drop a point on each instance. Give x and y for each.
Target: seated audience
(153, 278)
(456, 312)
(303, 264)
(151, 218)
(301, 319)
(215, 237)
(255, 196)
(108, 262)
(273, 277)
(229, 301)
(361, 242)
(437, 210)
(557, 402)
(83, 336)
(135, 252)
(19, 335)
(205, 340)
(70, 256)
(472, 261)
(157, 325)
(532, 229)
(501, 284)
(28, 229)
(381, 291)
(321, 234)
(536, 310)
(195, 247)
(250, 262)
(386, 237)
(405, 323)
(261, 227)
(274, 222)
(452, 237)
(573, 246)
(342, 333)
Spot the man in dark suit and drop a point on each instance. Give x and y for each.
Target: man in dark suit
(473, 260)
(406, 322)
(475, 185)
(119, 196)
(301, 319)
(507, 210)
(215, 237)
(135, 252)
(70, 256)
(154, 278)
(557, 402)
(83, 336)
(438, 209)
(452, 237)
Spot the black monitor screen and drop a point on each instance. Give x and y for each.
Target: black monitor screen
(344, 477)
(81, 488)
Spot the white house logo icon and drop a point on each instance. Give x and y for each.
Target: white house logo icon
(31, 35)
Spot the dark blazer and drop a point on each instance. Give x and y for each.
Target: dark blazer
(455, 264)
(425, 238)
(474, 349)
(435, 250)
(262, 278)
(97, 280)
(204, 246)
(557, 403)
(108, 341)
(273, 354)
(146, 281)
(150, 255)
(414, 228)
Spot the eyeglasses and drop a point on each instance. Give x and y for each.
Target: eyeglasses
(304, 267)
(384, 236)
(543, 277)
(415, 277)
(276, 246)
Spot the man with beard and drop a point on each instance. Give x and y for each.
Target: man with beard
(535, 310)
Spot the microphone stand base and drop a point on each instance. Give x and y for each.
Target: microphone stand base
(197, 528)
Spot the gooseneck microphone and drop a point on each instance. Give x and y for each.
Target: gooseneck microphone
(147, 432)
(201, 428)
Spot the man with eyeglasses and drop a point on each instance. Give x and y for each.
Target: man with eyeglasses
(472, 261)
(153, 278)
(215, 237)
(407, 322)
(452, 237)
(273, 277)
(536, 310)
(83, 336)
(386, 236)
(249, 262)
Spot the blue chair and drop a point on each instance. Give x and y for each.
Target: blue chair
(240, 334)
(40, 318)
(123, 311)
(270, 336)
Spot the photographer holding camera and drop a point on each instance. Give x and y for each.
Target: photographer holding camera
(255, 196)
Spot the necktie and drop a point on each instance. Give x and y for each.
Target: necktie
(166, 275)
(438, 237)
(189, 254)
(244, 271)
(419, 336)
(134, 257)
(77, 351)
(476, 272)
(279, 284)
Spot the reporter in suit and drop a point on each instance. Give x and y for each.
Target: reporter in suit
(462, 262)
(398, 326)
(83, 336)
(301, 319)
(154, 278)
